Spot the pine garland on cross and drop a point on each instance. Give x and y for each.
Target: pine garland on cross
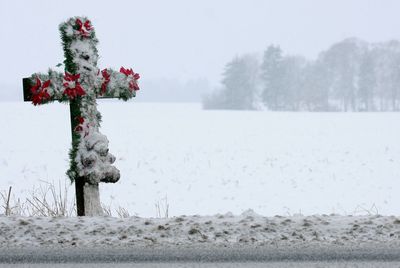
(80, 85)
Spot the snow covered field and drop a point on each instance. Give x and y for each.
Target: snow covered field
(208, 162)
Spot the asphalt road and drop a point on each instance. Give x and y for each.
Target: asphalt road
(198, 256)
(213, 265)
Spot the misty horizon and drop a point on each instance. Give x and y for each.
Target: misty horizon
(181, 42)
(173, 89)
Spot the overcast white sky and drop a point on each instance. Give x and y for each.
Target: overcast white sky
(186, 39)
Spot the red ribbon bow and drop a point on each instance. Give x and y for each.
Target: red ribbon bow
(72, 86)
(135, 76)
(39, 92)
(84, 28)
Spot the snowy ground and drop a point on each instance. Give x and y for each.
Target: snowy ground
(219, 230)
(209, 162)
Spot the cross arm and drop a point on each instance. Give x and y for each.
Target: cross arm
(113, 84)
(41, 88)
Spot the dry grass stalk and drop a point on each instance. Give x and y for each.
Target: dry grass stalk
(50, 201)
(162, 208)
(8, 210)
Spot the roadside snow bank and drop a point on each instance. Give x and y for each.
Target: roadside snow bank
(219, 230)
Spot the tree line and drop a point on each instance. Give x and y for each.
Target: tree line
(351, 75)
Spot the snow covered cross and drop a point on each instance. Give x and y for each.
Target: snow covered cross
(80, 85)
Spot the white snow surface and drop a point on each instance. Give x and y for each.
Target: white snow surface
(209, 162)
(225, 230)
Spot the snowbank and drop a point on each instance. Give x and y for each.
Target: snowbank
(248, 229)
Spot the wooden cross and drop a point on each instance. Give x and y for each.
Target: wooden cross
(80, 86)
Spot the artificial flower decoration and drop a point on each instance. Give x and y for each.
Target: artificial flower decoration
(85, 28)
(39, 92)
(72, 86)
(133, 78)
(106, 80)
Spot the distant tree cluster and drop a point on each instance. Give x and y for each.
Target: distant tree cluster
(351, 75)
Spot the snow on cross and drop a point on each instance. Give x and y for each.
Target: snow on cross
(80, 85)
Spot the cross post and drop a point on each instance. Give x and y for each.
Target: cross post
(80, 85)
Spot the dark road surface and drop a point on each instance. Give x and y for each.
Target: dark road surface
(332, 256)
(212, 265)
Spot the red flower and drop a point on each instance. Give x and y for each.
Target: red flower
(126, 72)
(133, 85)
(106, 80)
(71, 77)
(39, 92)
(72, 86)
(84, 28)
(80, 120)
(78, 128)
(134, 77)
(87, 25)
